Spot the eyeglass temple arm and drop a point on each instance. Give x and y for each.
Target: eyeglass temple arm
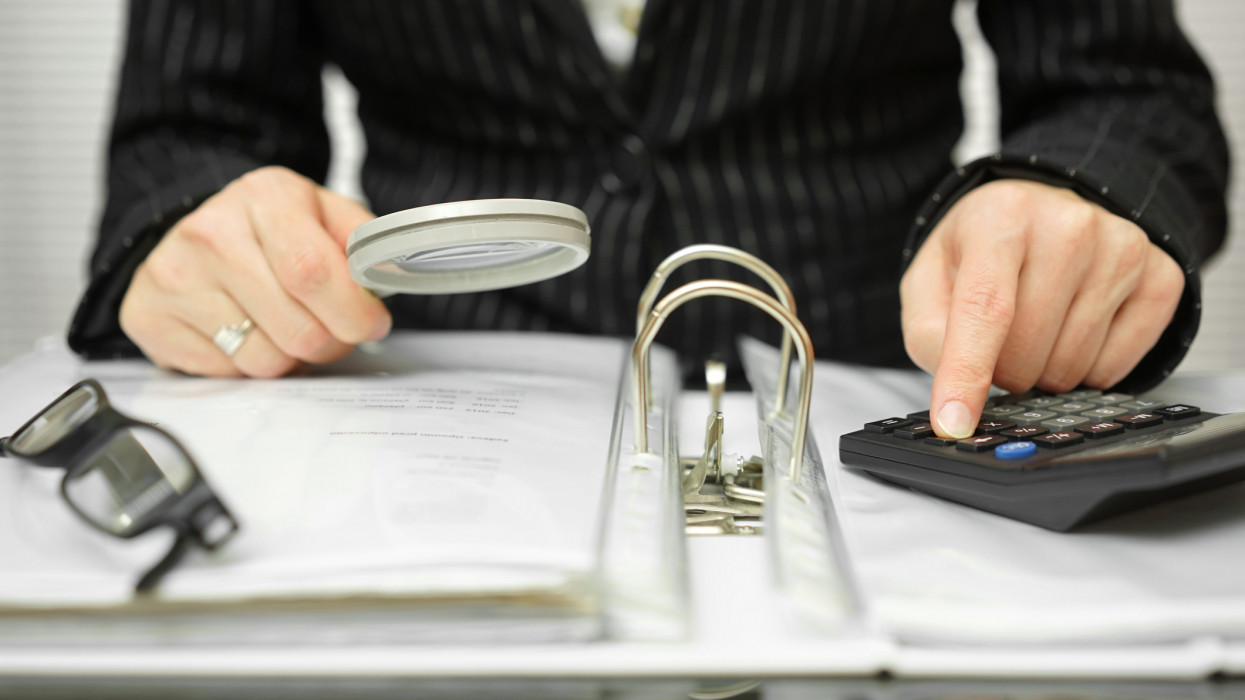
(170, 560)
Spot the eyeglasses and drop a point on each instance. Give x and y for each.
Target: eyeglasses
(123, 476)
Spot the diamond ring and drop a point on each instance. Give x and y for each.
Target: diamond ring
(230, 338)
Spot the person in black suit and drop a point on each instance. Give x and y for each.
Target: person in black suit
(815, 134)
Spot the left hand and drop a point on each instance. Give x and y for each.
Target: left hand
(1023, 284)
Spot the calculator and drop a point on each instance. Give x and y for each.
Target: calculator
(1058, 461)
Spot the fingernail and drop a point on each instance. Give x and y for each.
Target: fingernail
(382, 329)
(955, 420)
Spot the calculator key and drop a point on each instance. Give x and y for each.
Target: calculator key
(1144, 404)
(1080, 394)
(1074, 407)
(1177, 411)
(1016, 398)
(886, 425)
(1100, 429)
(915, 431)
(1016, 450)
(1112, 398)
(1136, 421)
(1104, 412)
(1032, 416)
(941, 442)
(1058, 439)
(1042, 402)
(1024, 432)
(994, 425)
(981, 443)
(919, 415)
(1002, 410)
(1065, 422)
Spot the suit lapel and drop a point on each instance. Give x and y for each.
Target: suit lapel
(618, 92)
(568, 17)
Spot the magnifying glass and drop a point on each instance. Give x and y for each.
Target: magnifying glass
(471, 246)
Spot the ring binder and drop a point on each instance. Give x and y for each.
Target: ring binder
(805, 547)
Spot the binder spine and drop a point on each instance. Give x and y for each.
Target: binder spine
(644, 570)
(806, 548)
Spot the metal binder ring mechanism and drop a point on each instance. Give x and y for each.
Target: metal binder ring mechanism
(470, 246)
(741, 292)
(710, 251)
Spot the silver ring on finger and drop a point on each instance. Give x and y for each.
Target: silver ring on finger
(230, 338)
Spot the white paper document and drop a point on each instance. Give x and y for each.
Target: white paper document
(440, 470)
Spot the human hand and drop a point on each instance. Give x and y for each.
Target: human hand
(270, 248)
(1023, 284)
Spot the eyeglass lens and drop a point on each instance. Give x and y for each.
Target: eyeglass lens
(57, 421)
(129, 478)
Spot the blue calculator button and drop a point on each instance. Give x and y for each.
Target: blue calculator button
(1015, 450)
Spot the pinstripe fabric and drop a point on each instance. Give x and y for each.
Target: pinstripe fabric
(809, 132)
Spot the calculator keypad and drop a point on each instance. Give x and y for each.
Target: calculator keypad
(1105, 412)
(1058, 439)
(1025, 432)
(1042, 402)
(1065, 422)
(994, 425)
(1101, 429)
(981, 443)
(915, 431)
(1137, 421)
(1143, 404)
(1015, 427)
(1178, 411)
(886, 425)
(1075, 407)
(1015, 450)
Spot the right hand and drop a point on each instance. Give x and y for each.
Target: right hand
(269, 247)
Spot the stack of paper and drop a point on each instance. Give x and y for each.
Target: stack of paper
(450, 487)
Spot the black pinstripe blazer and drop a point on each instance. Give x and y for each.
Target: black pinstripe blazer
(814, 133)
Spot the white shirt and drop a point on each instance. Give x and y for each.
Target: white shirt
(615, 24)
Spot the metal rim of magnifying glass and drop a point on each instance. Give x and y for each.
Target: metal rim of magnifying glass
(561, 229)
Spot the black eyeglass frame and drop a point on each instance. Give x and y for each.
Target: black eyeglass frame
(190, 514)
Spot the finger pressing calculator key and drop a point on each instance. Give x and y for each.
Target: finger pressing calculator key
(1058, 461)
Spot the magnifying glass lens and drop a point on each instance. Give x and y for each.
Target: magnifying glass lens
(472, 256)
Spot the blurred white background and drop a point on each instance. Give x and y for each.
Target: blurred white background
(57, 66)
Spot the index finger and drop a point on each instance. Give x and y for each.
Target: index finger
(983, 303)
(310, 264)
(341, 215)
